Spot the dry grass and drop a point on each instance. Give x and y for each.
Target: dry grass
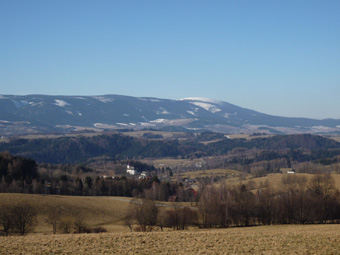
(275, 179)
(54, 136)
(334, 137)
(209, 173)
(166, 135)
(316, 239)
(97, 211)
(172, 162)
(248, 136)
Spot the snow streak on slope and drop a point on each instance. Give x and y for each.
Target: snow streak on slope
(208, 107)
(202, 99)
(104, 99)
(60, 103)
(205, 103)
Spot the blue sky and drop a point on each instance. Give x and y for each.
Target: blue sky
(276, 57)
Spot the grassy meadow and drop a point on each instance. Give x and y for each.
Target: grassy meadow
(109, 212)
(209, 173)
(96, 211)
(275, 179)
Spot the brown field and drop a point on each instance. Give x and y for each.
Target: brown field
(248, 136)
(166, 135)
(289, 239)
(107, 212)
(334, 137)
(275, 179)
(172, 162)
(209, 173)
(53, 136)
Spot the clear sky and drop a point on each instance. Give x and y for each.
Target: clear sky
(279, 57)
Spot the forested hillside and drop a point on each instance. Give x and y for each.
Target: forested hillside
(17, 168)
(116, 146)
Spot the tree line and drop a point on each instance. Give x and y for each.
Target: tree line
(295, 201)
(19, 218)
(22, 219)
(14, 168)
(20, 175)
(145, 214)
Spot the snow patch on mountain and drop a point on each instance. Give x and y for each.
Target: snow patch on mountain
(162, 111)
(145, 124)
(153, 100)
(103, 126)
(202, 99)
(227, 115)
(158, 121)
(206, 106)
(60, 103)
(105, 99)
(19, 104)
(36, 104)
(322, 129)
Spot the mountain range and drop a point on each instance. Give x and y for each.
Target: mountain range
(50, 114)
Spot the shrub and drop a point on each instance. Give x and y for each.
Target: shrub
(99, 230)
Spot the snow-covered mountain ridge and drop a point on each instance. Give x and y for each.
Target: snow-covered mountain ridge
(44, 113)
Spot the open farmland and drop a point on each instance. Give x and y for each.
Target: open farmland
(161, 134)
(334, 137)
(275, 179)
(289, 239)
(96, 211)
(210, 173)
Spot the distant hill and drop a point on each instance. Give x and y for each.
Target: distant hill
(82, 149)
(46, 114)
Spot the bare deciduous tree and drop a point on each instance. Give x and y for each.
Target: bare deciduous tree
(323, 191)
(66, 224)
(129, 217)
(24, 218)
(6, 218)
(54, 215)
(79, 224)
(144, 212)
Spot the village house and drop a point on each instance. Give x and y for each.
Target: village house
(130, 170)
(287, 171)
(143, 175)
